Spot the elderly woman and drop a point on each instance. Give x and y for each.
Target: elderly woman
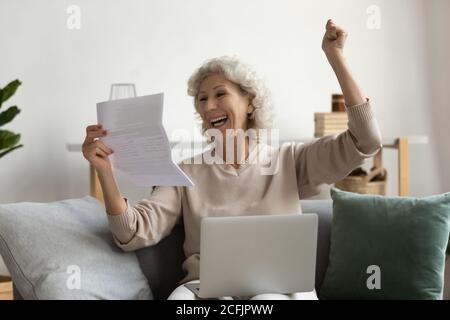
(228, 96)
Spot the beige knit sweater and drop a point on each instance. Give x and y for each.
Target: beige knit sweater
(222, 190)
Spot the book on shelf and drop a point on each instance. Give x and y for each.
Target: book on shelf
(334, 122)
(318, 134)
(329, 123)
(330, 129)
(330, 115)
(330, 120)
(333, 126)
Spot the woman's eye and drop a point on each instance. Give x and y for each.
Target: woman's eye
(219, 94)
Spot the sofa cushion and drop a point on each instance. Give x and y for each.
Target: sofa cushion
(64, 250)
(324, 209)
(387, 247)
(162, 263)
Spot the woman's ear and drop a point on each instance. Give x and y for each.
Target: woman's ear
(250, 107)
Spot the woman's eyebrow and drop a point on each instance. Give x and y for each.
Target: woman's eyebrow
(220, 85)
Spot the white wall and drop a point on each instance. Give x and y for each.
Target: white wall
(157, 44)
(437, 14)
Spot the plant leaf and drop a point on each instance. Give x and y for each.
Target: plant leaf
(9, 90)
(4, 153)
(8, 139)
(8, 115)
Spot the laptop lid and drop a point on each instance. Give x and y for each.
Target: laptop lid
(250, 255)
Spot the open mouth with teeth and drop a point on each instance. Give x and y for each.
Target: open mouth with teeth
(218, 121)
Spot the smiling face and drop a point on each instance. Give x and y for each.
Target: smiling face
(222, 104)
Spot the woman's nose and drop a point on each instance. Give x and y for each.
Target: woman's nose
(210, 105)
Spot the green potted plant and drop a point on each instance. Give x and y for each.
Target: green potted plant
(8, 140)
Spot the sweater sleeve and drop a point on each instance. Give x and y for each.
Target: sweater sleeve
(148, 221)
(331, 158)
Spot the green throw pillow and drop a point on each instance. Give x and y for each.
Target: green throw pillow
(387, 247)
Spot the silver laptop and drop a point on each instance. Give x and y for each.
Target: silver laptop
(249, 255)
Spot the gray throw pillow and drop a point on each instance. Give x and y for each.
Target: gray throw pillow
(64, 250)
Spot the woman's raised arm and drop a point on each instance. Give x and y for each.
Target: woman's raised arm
(333, 45)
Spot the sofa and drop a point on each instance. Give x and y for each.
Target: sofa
(150, 273)
(161, 263)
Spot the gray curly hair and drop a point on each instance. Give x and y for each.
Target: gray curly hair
(242, 75)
